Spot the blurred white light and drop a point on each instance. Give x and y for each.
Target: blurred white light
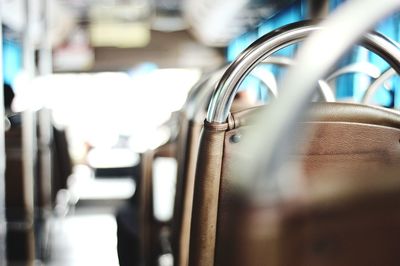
(97, 108)
(164, 181)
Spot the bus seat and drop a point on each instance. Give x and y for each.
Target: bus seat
(334, 124)
(61, 161)
(190, 134)
(137, 229)
(28, 202)
(191, 123)
(341, 218)
(221, 132)
(346, 136)
(150, 227)
(19, 201)
(159, 238)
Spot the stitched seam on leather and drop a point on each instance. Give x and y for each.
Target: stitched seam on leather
(231, 121)
(215, 126)
(221, 174)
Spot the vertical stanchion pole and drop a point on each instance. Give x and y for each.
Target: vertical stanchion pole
(2, 159)
(45, 136)
(29, 127)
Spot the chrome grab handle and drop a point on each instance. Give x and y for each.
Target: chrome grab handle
(200, 94)
(202, 90)
(266, 177)
(227, 87)
(359, 67)
(299, 85)
(325, 89)
(371, 90)
(268, 44)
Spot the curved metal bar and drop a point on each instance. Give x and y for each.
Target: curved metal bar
(268, 44)
(371, 90)
(278, 60)
(200, 94)
(299, 85)
(360, 67)
(326, 91)
(227, 87)
(196, 108)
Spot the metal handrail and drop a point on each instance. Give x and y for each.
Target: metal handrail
(201, 92)
(268, 44)
(279, 122)
(324, 89)
(359, 67)
(371, 90)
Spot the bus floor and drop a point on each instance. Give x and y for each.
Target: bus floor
(87, 234)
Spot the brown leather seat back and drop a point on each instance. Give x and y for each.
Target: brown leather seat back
(342, 218)
(145, 205)
(149, 226)
(356, 223)
(191, 124)
(346, 136)
(19, 201)
(185, 149)
(187, 157)
(61, 160)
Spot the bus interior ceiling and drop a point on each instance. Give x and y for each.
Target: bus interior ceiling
(199, 132)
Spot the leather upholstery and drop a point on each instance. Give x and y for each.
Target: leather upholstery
(190, 137)
(330, 112)
(346, 137)
(205, 198)
(145, 206)
(191, 123)
(356, 223)
(343, 145)
(184, 191)
(149, 227)
(344, 218)
(185, 151)
(61, 162)
(180, 187)
(19, 201)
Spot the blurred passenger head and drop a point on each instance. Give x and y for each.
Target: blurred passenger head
(8, 96)
(244, 99)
